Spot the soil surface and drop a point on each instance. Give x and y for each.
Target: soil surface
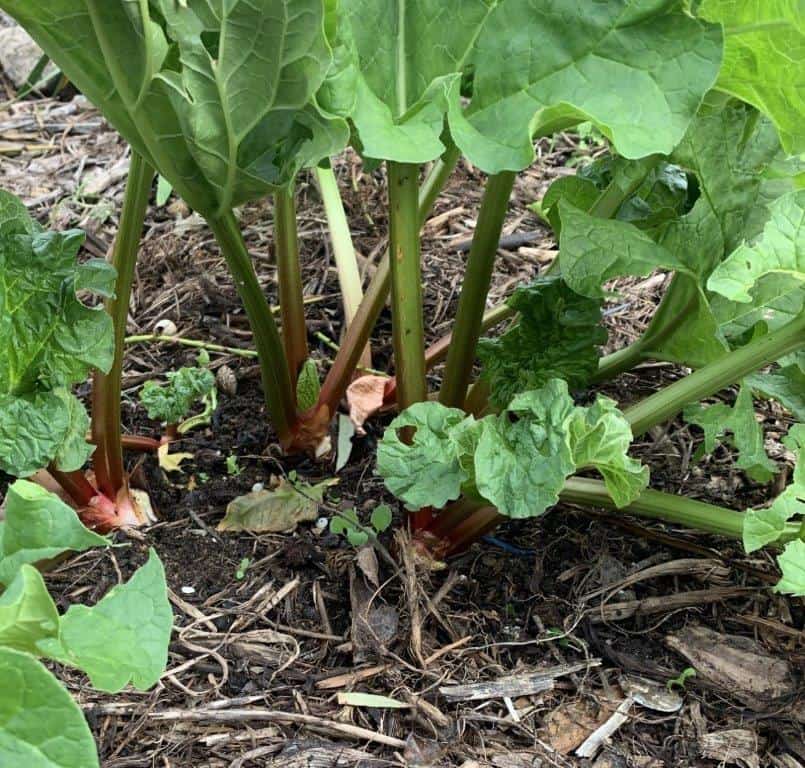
(273, 633)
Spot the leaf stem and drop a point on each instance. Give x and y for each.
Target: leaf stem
(107, 388)
(343, 248)
(678, 510)
(717, 375)
(406, 284)
(289, 279)
(474, 292)
(349, 276)
(276, 377)
(357, 336)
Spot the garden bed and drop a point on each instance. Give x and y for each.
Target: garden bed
(263, 649)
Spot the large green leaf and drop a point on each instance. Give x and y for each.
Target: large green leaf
(40, 724)
(637, 68)
(39, 526)
(27, 612)
(124, 638)
(217, 96)
(558, 334)
(747, 434)
(594, 251)
(408, 57)
(764, 59)
(777, 258)
(49, 340)
(734, 158)
(531, 66)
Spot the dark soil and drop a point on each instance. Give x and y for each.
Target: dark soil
(532, 598)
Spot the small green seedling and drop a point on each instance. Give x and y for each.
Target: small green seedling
(681, 679)
(171, 402)
(243, 566)
(346, 523)
(232, 467)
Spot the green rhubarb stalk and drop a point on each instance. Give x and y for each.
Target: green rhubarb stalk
(107, 388)
(715, 376)
(474, 292)
(357, 336)
(406, 284)
(276, 377)
(289, 279)
(677, 510)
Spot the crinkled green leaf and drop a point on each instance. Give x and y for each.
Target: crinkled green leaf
(275, 510)
(558, 335)
(746, 433)
(792, 564)
(171, 402)
(217, 97)
(787, 385)
(637, 69)
(764, 58)
(428, 471)
(40, 724)
(41, 427)
(765, 526)
(27, 612)
(523, 456)
(594, 251)
(39, 526)
(779, 251)
(600, 437)
(517, 461)
(124, 638)
(49, 340)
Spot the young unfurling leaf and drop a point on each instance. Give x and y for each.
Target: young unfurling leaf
(170, 403)
(558, 334)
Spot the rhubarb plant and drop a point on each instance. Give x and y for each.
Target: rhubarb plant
(121, 640)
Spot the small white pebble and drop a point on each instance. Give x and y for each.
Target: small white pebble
(257, 487)
(188, 590)
(322, 523)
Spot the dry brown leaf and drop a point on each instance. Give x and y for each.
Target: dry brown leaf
(365, 398)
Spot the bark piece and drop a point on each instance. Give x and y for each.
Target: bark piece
(736, 664)
(737, 746)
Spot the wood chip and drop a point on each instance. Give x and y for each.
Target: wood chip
(514, 685)
(738, 746)
(736, 664)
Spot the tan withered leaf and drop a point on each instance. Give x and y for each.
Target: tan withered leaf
(278, 510)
